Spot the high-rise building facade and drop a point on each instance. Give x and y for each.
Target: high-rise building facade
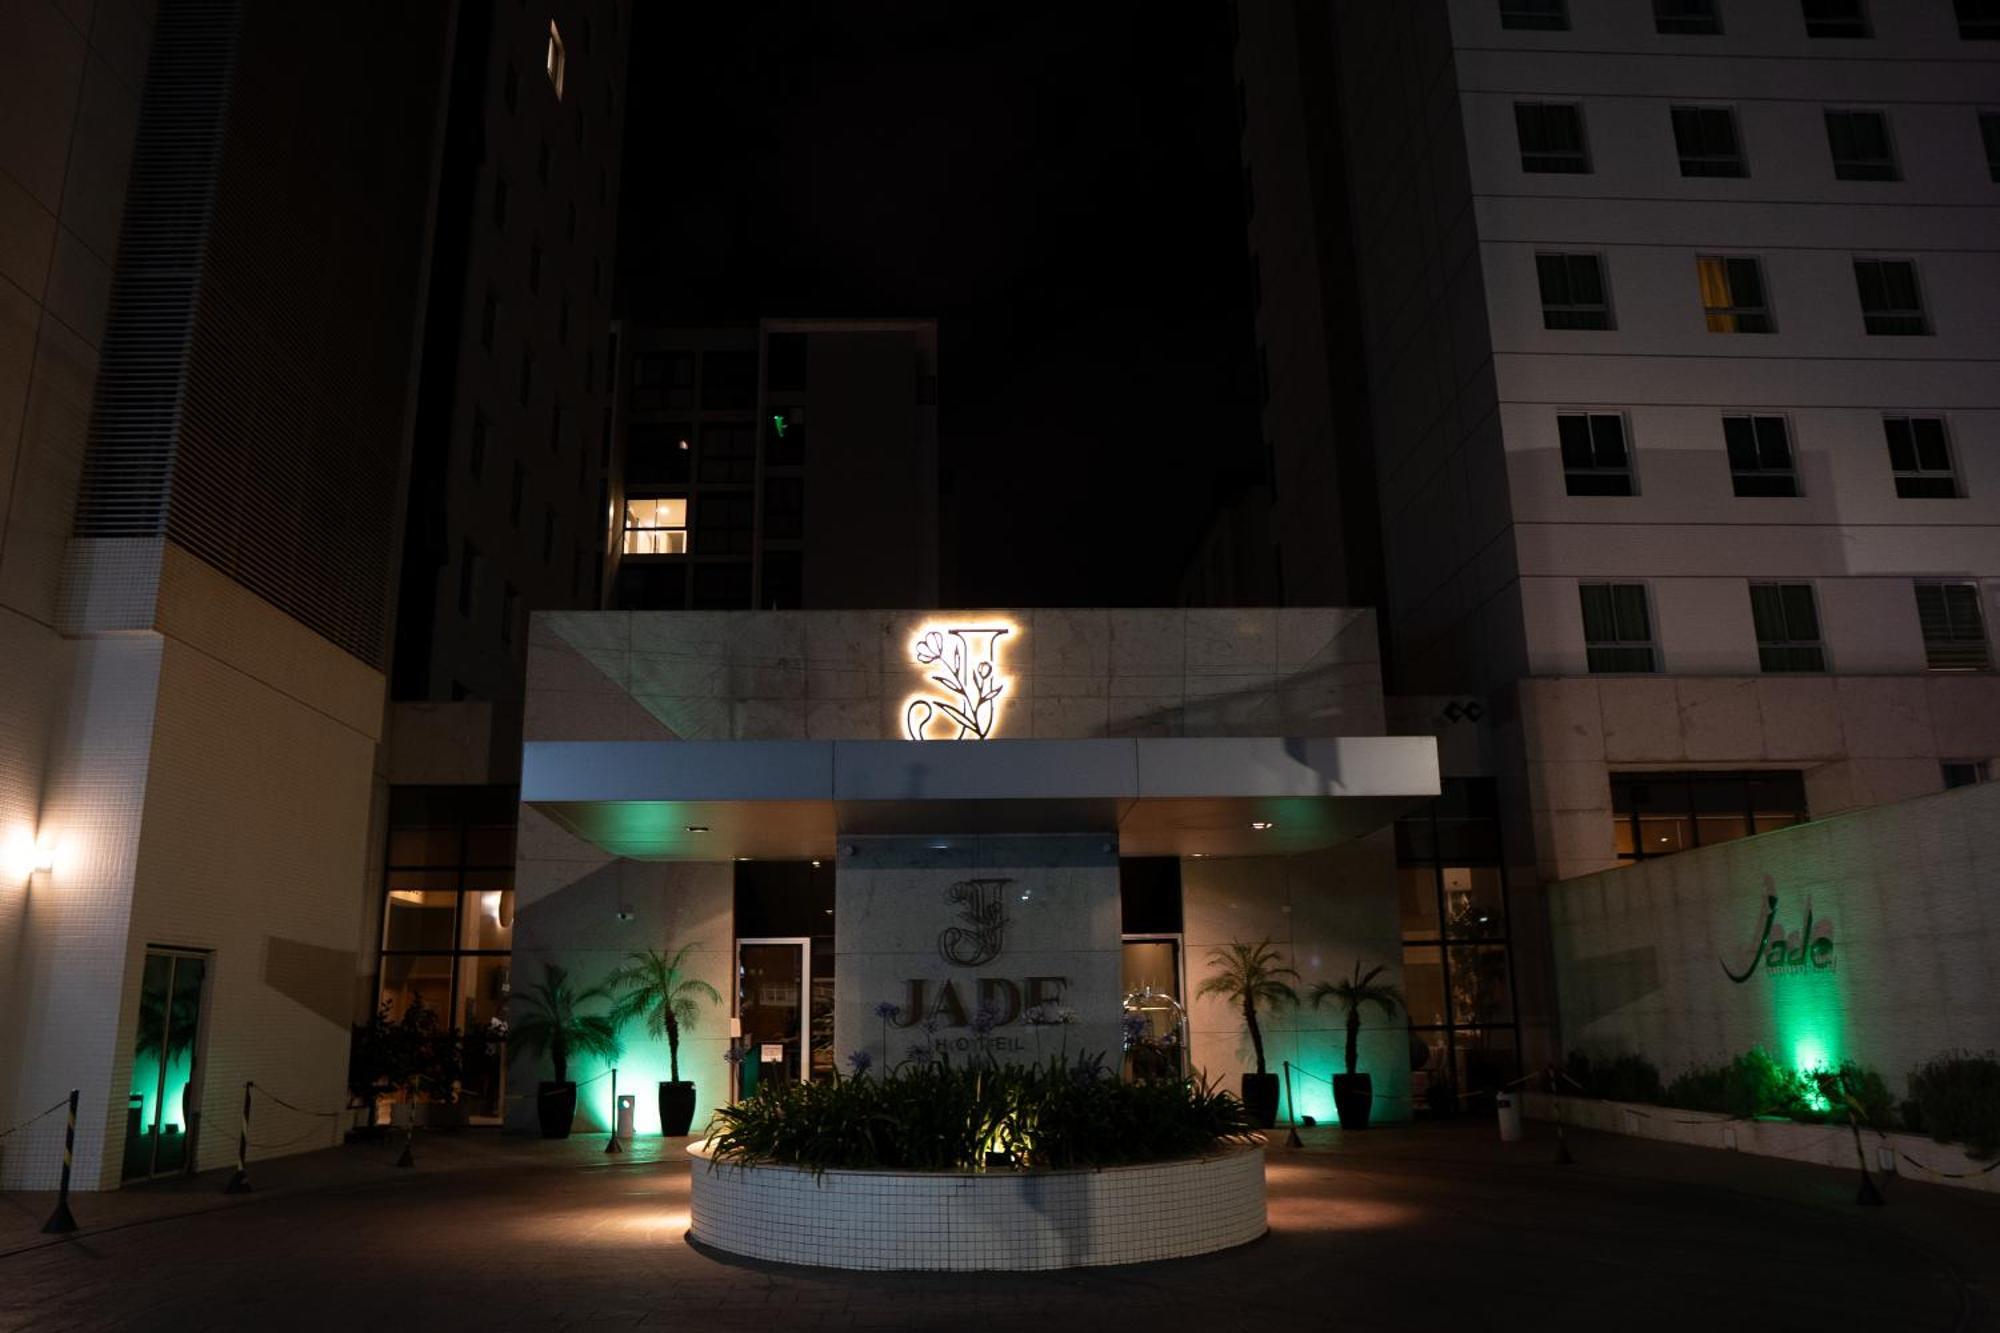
(215, 245)
(1680, 381)
(778, 466)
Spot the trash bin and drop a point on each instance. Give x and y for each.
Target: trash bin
(1509, 1105)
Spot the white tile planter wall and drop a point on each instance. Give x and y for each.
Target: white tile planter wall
(966, 1221)
(1820, 1145)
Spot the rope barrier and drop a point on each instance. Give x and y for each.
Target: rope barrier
(35, 1119)
(323, 1115)
(1950, 1175)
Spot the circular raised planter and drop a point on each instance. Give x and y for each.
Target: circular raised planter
(968, 1221)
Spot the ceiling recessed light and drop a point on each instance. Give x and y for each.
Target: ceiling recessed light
(815, 865)
(1261, 824)
(743, 858)
(1198, 855)
(697, 828)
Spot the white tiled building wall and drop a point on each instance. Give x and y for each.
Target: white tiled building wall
(1002, 1220)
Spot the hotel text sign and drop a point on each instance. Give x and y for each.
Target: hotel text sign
(1781, 954)
(973, 941)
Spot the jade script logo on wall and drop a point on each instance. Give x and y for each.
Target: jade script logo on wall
(985, 917)
(964, 661)
(1786, 954)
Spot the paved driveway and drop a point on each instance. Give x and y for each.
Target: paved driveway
(1408, 1228)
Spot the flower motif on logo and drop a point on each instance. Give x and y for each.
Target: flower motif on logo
(967, 674)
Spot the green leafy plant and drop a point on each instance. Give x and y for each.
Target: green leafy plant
(416, 1055)
(1955, 1098)
(656, 991)
(548, 1018)
(1250, 975)
(939, 1116)
(1354, 993)
(1751, 1084)
(1621, 1078)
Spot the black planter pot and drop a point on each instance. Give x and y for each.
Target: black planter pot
(676, 1108)
(1260, 1099)
(1354, 1098)
(555, 1104)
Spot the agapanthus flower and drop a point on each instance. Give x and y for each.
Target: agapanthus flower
(858, 1061)
(733, 1054)
(984, 1020)
(888, 1011)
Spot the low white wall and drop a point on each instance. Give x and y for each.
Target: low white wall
(964, 1221)
(1898, 965)
(1910, 1155)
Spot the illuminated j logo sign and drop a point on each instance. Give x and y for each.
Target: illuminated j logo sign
(963, 660)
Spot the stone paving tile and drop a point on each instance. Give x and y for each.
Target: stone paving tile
(1425, 1227)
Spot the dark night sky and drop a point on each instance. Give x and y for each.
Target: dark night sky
(1057, 185)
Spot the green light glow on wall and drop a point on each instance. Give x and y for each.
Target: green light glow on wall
(778, 424)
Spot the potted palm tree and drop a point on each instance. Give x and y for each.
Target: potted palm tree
(1251, 975)
(657, 991)
(1354, 1094)
(548, 1018)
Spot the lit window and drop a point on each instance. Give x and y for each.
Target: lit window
(656, 526)
(556, 59)
(1732, 294)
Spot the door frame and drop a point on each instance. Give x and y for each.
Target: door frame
(803, 943)
(197, 1061)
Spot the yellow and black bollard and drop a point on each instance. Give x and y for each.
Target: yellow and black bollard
(239, 1179)
(62, 1221)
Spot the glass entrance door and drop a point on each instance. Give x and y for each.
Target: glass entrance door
(773, 981)
(160, 1107)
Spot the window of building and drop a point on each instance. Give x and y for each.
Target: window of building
(499, 201)
(784, 508)
(1535, 15)
(1457, 950)
(1760, 456)
(658, 453)
(1965, 772)
(727, 523)
(1787, 621)
(556, 61)
(1573, 292)
(1954, 630)
(663, 380)
(656, 525)
(1658, 814)
(1920, 458)
(469, 572)
(448, 921)
(1978, 20)
(724, 587)
(475, 454)
(1732, 294)
(489, 316)
(785, 362)
(1859, 141)
(1686, 17)
(1551, 137)
(728, 381)
(1594, 458)
(1706, 139)
(1836, 18)
(1617, 628)
(729, 451)
(1891, 304)
(1989, 134)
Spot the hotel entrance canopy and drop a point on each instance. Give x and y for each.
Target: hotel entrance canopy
(714, 800)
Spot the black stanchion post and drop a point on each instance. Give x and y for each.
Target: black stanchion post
(61, 1222)
(1868, 1195)
(1292, 1139)
(239, 1180)
(408, 1156)
(611, 1144)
